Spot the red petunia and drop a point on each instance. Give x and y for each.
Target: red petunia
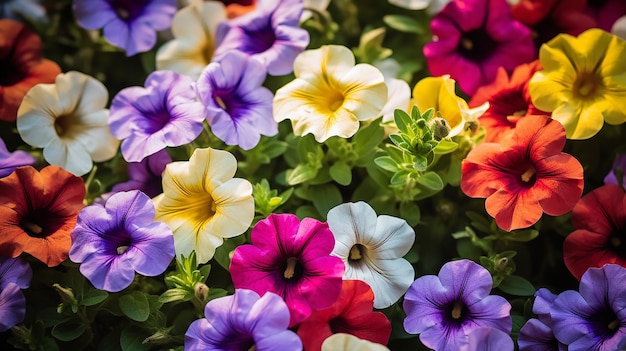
(350, 314)
(509, 100)
(38, 210)
(600, 235)
(21, 66)
(525, 175)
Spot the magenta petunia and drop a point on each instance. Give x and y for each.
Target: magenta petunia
(164, 113)
(292, 259)
(473, 38)
(270, 33)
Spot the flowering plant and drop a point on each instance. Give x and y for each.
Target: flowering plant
(312, 175)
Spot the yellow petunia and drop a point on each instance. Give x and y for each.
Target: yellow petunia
(438, 93)
(583, 82)
(203, 203)
(330, 94)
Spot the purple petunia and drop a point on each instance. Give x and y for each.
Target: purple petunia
(127, 24)
(444, 309)
(486, 339)
(114, 241)
(537, 334)
(15, 274)
(242, 322)
(593, 318)
(270, 33)
(236, 105)
(618, 169)
(146, 175)
(164, 113)
(9, 161)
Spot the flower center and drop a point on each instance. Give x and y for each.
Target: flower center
(356, 252)
(66, 126)
(586, 85)
(335, 101)
(32, 229)
(614, 325)
(220, 102)
(292, 268)
(476, 45)
(121, 249)
(616, 244)
(457, 310)
(529, 175)
(128, 9)
(10, 73)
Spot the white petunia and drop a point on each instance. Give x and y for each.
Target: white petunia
(349, 342)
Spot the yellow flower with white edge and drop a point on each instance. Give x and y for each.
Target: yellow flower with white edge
(330, 94)
(583, 81)
(202, 202)
(68, 119)
(438, 93)
(194, 27)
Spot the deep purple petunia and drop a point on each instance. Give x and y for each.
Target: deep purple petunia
(292, 259)
(270, 33)
(444, 309)
(127, 24)
(164, 113)
(473, 38)
(619, 168)
(9, 161)
(12, 306)
(236, 105)
(241, 322)
(593, 318)
(146, 175)
(15, 271)
(114, 241)
(537, 334)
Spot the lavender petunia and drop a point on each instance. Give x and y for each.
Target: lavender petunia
(593, 318)
(241, 322)
(12, 306)
(146, 175)
(114, 241)
(127, 24)
(236, 105)
(164, 113)
(269, 33)
(537, 334)
(15, 271)
(488, 339)
(618, 169)
(444, 309)
(9, 161)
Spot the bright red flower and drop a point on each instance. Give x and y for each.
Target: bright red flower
(509, 100)
(350, 314)
(21, 66)
(525, 175)
(38, 210)
(600, 235)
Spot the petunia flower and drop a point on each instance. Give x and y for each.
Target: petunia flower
(22, 66)
(439, 94)
(509, 100)
(443, 309)
(619, 28)
(203, 203)
(600, 222)
(9, 161)
(68, 120)
(349, 342)
(38, 211)
(15, 271)
(372, 248)
(241, 322)
(330, 95)
(473, 38)
(23, 10)
(194, 27)
(292, 259)
(351, 314)
(485, 338)
(128, 24)
(236, 105)
(12, 306)
(618, 170)
(525, 175)
(164, 113)
(593, 317)
(270, 33)
(146, 175)
(583, 82)
(537, 333)
(114, 241)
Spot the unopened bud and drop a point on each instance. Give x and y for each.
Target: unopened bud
(201, 291)
(157, 338)
(67, 295)
(502, 263)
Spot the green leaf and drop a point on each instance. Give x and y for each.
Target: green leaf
(410, 212)
(368, 137)
(325, 197)
(431, 180)
(341, 173)
(399, 178)
(175, 294)
(94, 297)
(222, 253)
(387, 163)
(516, 285)
(132, 339)
(420, 163)
(445, 147)
(69, 329)
(403, 24)
(135, 306)
(402, 119)
(300, 174)
(522, 235)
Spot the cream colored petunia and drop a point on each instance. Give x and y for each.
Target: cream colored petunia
(349, 342)
(68, 120)
(203, 203)
(192, 48)
(330, 94)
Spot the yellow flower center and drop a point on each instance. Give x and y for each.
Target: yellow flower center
(32, 229)
(335, 100)
(356, 252)
(457, 310)
(221, 103)
(586, 85)
(528, 175)
(66, 126)
(122, 249)
(614, 325)
(291, 267)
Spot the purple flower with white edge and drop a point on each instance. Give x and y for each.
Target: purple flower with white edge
(443, 309)
(618, 169)
(236, 105)
(12, 306)
(164, 113)
(9, 161)
(127, 24)
(114, 241)
(14, 271)
(593, 318)
(486, 339)
(242, 322)
(537, 334)
(270, 33)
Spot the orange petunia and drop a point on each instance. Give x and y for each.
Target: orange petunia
(509, 100)
(21, 66)
(38, 210)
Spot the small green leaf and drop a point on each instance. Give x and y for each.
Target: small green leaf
(94, 297)
(132, 339)
(325, 197)
(387, 163)
(431, 180)
(420, 163)
(175, 294)
(516, 285)
(445, 147)
(368, 137)
(135, 306)
(410, 212)
(341, 173)
(403, 24)
(300, 174)
(69, 329)
(522, 235)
